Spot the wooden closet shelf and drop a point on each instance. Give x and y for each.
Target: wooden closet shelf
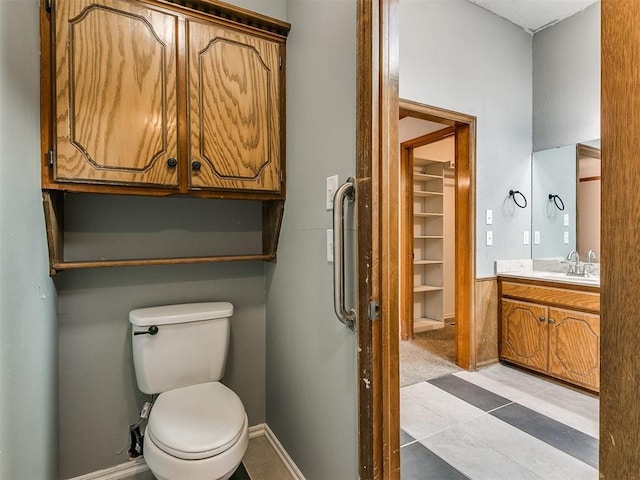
(427, 214)
(424, 193)
(426, 288)
(426, 176)
(428, 262)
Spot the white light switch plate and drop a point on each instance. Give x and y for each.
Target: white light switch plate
(332, 186)
(489, 217)
(525, 237)
(536, 238)
(566, 219)
(566, 237)
(489, 238)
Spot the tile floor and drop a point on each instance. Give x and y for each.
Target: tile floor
(497, 423)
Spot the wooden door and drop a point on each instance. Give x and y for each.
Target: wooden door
(116, 93)
(574, 346)
(233, 105)
(524, 334)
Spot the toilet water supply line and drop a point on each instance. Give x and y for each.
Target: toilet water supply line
(137, 438)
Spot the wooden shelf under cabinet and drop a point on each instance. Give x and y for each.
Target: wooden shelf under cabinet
(53, 202)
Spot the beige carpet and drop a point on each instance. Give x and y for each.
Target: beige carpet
(429, 355)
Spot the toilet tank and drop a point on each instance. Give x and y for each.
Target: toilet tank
(190, 346)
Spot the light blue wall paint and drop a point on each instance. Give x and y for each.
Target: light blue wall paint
(28, 369)
(566, 81)
(458, 56)
(311, 357)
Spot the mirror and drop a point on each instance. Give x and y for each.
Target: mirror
(565, 190)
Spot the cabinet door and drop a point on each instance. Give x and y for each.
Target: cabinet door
(524, 334)
(233, 106)
(574, 347)
(116, 93)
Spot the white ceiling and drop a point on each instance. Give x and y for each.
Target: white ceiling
(533, 15)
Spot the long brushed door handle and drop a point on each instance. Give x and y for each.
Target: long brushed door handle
(347, 191)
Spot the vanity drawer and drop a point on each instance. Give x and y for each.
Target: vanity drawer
(561, 297)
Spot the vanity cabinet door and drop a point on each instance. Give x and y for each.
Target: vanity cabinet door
(116, 94)
(524, 334)
(233, 103)
(574, 347)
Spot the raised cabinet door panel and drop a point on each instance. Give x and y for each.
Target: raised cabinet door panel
(524, 334)
(233, 105)
(574, 346)
(116, 93)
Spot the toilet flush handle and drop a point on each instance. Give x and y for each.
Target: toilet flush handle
(151, 331)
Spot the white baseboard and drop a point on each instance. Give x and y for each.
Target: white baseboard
(132, 467)
(282, 453)
(138, 465)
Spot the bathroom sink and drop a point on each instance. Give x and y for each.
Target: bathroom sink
(558, 277)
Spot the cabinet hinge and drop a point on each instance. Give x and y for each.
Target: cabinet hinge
(50, 158)
(280, 63)
(48, 5)
(374, 310)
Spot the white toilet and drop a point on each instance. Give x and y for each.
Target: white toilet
(197, 428)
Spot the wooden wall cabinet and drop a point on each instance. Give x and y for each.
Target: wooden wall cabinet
(551, 329)
(149, 97)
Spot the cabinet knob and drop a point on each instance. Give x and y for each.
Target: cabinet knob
(172, 162)
(551, 320)
(541, 319)
(196, 165)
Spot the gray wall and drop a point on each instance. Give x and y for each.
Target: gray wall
(458, 56)
(98, 392)
(28, 372)
(566, 81)
(311, 357)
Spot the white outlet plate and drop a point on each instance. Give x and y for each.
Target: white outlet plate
(525, 237)
(330, 245)
(566, 237)
(536, 238)
(566, 219)
(489, 238)
(489, 217)
(332, 186)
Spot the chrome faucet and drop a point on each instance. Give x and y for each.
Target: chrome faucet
(591, 256)
(574, 269)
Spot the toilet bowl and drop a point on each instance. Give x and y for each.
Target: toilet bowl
(196, 432)
(198, 428)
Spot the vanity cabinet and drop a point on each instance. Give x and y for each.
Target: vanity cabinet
(162, 97)
(551, 328)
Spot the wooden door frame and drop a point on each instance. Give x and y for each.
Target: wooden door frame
(378, 237)
(464, 128)
(378, 180)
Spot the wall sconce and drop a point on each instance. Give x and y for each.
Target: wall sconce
(523, 202)
(557, 201)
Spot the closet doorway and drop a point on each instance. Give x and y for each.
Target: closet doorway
(437, 266)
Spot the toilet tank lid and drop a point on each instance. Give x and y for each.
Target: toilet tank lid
(183, 313)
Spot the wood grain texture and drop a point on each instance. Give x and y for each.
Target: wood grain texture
(233, 82)
(486, 325)
(54, 220)
(116, 99)
(620, 367)
(370, 363)
(556, 296)
(524, 334)
(574, 347)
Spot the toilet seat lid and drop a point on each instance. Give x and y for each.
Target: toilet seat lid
(198, 421)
